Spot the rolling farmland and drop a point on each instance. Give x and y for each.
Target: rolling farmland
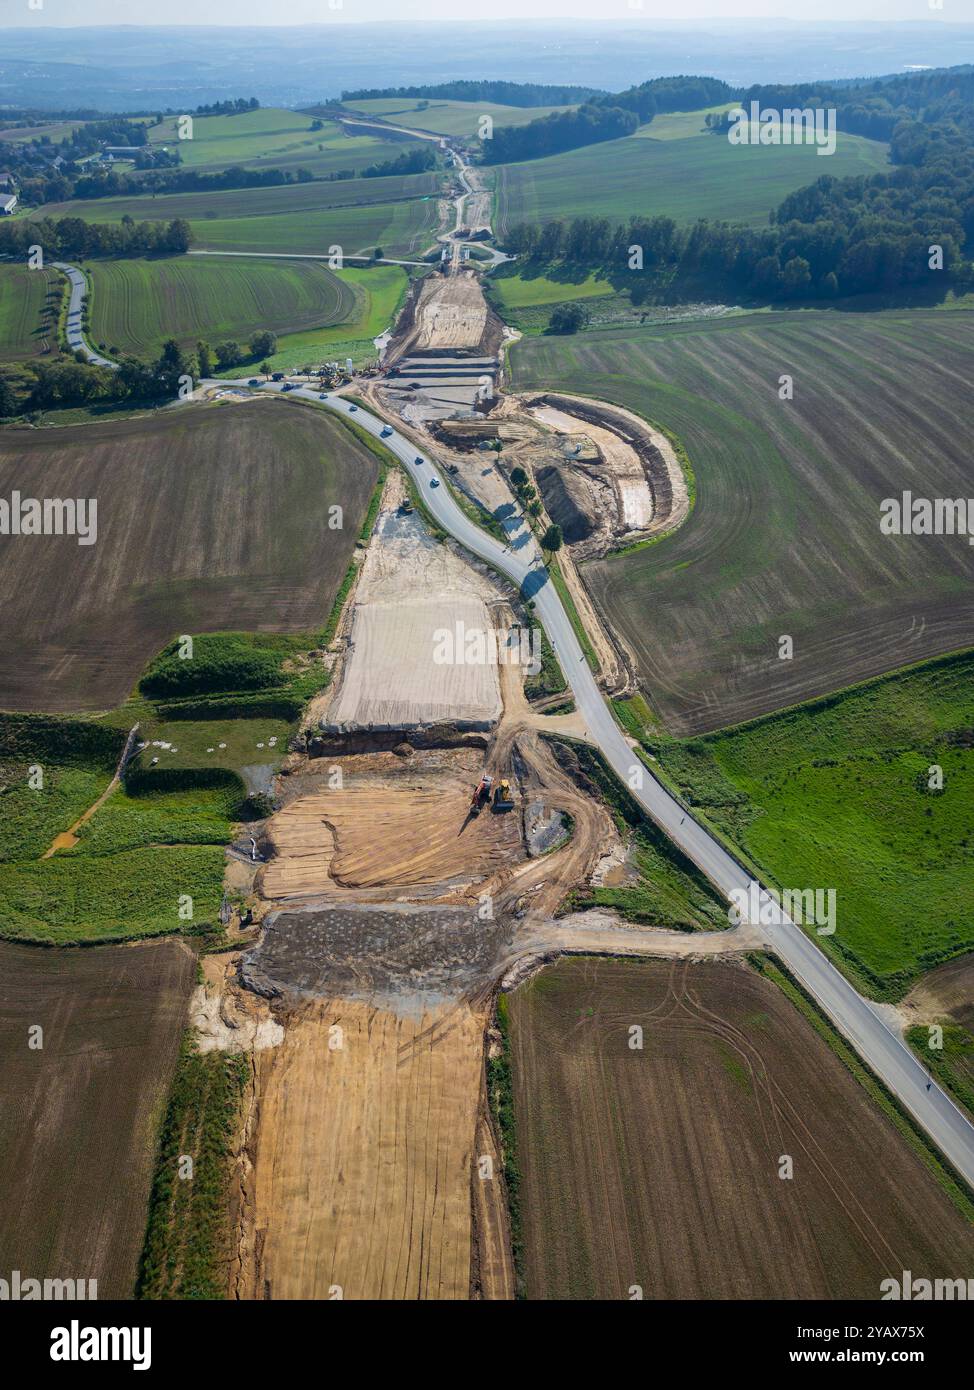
(457, 118)
(784, 537)
(659, 1167)
(207, 520)
(78, 1117)
(400, 229)
(275, 139)
(138, 304)
(222, 204)
(699, 176)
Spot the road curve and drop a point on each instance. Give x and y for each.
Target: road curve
(855, 1017)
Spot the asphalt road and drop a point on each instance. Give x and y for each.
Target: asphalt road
(855, 1017)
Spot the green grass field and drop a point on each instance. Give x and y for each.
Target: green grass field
(150, 846)
(836, 794)
(784, 537)
(138, 304)
(526, 292)
(248, 202)
(271, 138)
(379, 291)
(400, 229)
(459, 118)
(684, 178)
(24, 331)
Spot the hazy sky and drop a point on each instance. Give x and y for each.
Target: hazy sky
(119, 12)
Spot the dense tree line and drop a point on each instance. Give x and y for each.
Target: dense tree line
(793, 259)
(562, 130)
(111, 183)
(71, 381)
(662, 94)
(74, 239)
(878, 108)
(416, 161)
(503, 93)
(234, 107)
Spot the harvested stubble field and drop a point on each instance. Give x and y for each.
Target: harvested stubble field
(362, 1161)
(660, 1167)
(79, 1117)
(325, 840)
(209, 518)
(878, 408)
(138, 304)
(400, 229)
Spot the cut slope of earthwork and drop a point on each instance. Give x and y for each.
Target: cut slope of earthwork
(207, 519)
(410, 592)
(661, 1166)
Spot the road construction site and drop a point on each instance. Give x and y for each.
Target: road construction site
(395, 886)
(425, 847)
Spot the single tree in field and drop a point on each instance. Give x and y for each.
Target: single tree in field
(265, 369)
(263, 343)
(551, 540)
(567, 318)
(518, 477)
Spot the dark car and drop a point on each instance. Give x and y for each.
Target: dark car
(434, 482)
(253, 381)
(419, 458)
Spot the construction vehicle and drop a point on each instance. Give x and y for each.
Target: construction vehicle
(481, 794)
(502, 796)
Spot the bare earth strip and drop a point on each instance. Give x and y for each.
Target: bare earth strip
(361, 1177)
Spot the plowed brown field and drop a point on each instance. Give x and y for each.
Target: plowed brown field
(210, 518)
(79, 1116)
(660, 1167)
